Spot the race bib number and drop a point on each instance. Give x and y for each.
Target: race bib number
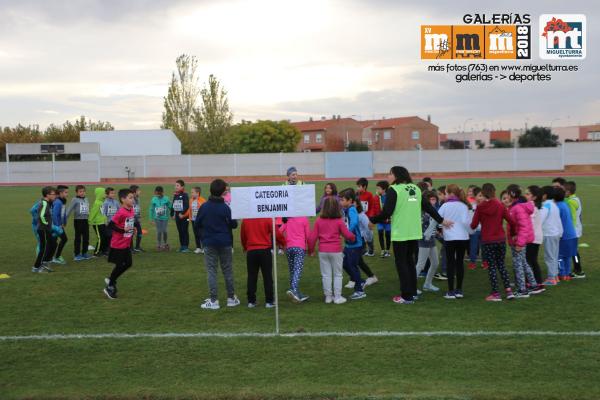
(128, 228)
(365, 205)
(111, 211)
(194, 210)
(84, 209)
(178, 205)
(136, 209)
(160, 211)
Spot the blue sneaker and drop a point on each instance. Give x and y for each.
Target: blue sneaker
(87, 256)
(293, 295)
(78, 257)
(302, 296)
(458, 294)
(358, 295)
(450, 295)
(184, 250)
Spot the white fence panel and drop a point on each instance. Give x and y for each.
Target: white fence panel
(115, 167)
(528, 159)
(384, 160)
(76, 171)
(445, 160)
(30, 171)
(582, 153)
(491, 160)
(258, 164)
(213, 165)
(166, 166)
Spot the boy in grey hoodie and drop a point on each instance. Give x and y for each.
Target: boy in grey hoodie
(80, 207)
(109, 209)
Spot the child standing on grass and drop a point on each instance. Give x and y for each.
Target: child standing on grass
(330, 190)
(257, 237)
(123, 228)
(135, 189)
(575, 205)
(160, 209)
(370, 206)
(109, 209)
(456, 238)
(552, 230)
(59, 219)
(533, 194)
(384, 230)
(327, 230)
(521, 234)
(490, 214)
(352, 250)
(296, 232)
(567, 247)
(475, 237)
(195, 203)
(181, 204)
(97, 220)
(427, 249)
(44, 231)
(367, 236)
(80, 207)
(215, 225)
(441, 193)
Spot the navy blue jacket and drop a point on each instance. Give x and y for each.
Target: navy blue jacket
(214, 223)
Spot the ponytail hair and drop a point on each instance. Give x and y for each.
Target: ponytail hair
(515, 192)
(536, 192)
(401, 175)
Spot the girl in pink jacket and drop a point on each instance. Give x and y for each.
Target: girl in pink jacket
(295, 230)
(519, 236)
(327, 230)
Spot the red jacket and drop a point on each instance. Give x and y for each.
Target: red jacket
(257, 234)
(490, 214)
(370, 204)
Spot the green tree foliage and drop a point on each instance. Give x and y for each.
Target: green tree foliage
(264, 137)
(538, 136)
(357, 146)
(181, 113)
(214, 119)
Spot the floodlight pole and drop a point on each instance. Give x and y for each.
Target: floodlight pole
(275, 277)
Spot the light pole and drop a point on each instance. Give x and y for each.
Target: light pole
(464, 131)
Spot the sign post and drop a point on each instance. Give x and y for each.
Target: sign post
(273, 202)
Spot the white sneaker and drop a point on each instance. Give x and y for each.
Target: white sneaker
(328, 299)
(251, 305)
(430, 288)
(210, 305)
(233, 302)
(198, 251)
(269, 305)
(419, 292)
(371, 280)
(339, 300)
(280, 252)
(350, 285)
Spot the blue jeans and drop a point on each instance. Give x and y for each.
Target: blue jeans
(474, 241)
(351, 257)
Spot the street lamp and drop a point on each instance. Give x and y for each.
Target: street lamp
(464, 132)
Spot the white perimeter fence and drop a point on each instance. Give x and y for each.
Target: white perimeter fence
(331, 165)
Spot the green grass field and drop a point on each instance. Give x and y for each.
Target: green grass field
(162, 293)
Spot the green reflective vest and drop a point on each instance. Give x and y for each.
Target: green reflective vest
(406, 219)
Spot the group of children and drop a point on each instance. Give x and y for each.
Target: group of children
(550, 215)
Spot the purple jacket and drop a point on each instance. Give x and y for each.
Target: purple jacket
(522, 230)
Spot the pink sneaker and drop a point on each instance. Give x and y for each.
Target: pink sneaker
(509, 294)
(494, 297)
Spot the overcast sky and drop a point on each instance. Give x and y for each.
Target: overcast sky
(112, 60)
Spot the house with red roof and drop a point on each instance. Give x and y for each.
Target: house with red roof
(405, 133)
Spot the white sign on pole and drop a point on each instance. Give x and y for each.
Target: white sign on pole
(273, 201)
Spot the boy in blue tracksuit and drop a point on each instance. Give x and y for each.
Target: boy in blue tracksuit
(567, 247)
(59, 218)
(215, 225)
(352, 251)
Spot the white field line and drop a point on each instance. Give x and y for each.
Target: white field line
(225, 335)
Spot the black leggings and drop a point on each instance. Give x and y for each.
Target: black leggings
(455, 255)
(388, 239)
(576, 264)
(404, 258)
(122, 260)
(531, 254)
(82, 236)
(364, 267)
(260, 260)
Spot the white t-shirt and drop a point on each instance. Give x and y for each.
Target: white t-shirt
(536, 219)
(458, 213)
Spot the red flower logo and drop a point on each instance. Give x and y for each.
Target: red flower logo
(556, 25)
